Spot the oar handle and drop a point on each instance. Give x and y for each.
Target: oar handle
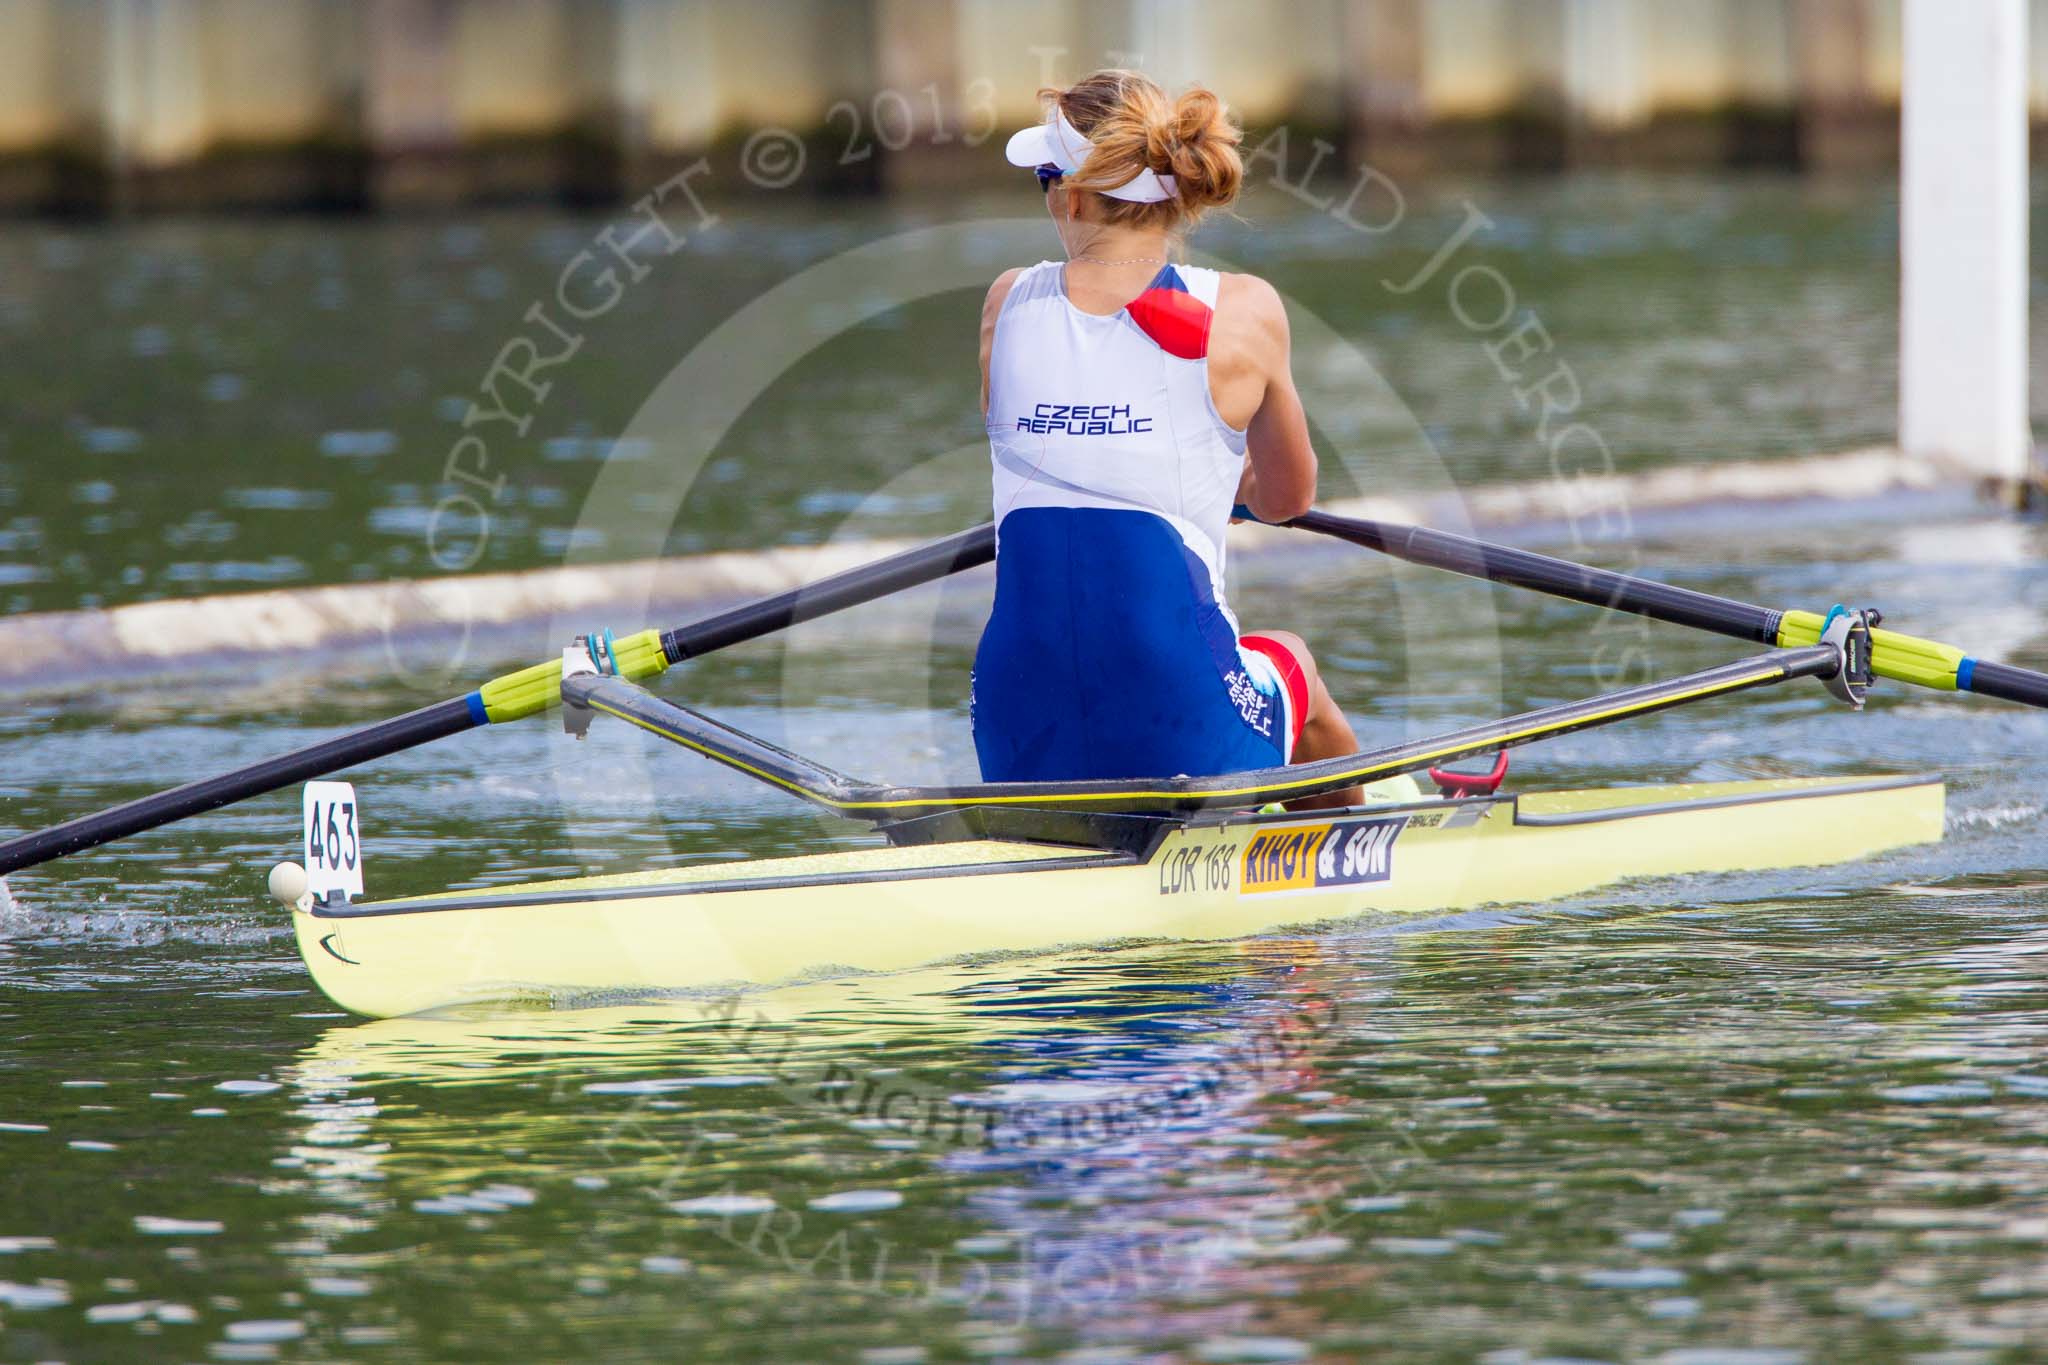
(954, 554)
(1555, 577)
(650, 653)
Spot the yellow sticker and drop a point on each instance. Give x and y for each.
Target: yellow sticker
(1303, 857)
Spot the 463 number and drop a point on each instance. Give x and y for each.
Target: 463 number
(331, 839)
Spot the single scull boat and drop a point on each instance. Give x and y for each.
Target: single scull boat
(1025, 867)
(1207, 876)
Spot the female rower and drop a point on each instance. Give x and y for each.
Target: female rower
(1130, 403)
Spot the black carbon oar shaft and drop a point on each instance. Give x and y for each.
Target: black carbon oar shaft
(1905, 658)
(517, 694)
(408, 731)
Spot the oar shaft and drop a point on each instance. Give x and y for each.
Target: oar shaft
(358, 746)
(2005, 681)
(1903, 658)
(522, 693)
(1556, 577)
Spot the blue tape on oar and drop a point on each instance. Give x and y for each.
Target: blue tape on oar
(1964, 672)
(599, 645)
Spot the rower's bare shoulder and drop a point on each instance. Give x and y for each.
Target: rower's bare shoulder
(1251, 325)
(1251, 303)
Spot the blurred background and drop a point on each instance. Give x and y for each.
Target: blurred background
(115, 105)
(258, 257)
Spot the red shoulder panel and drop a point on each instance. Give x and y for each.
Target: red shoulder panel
(1175, 319)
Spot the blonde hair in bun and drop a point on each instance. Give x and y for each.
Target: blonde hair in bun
(1136, 127)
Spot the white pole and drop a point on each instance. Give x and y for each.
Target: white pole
(1963, 238)
(1604, 68)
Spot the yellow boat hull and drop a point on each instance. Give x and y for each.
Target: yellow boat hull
(887, 909)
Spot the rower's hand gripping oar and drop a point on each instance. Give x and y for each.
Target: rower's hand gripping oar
(511, 697)
(1904, 658)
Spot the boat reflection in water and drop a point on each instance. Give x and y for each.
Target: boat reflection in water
(1275, 1138)
(940, 1136)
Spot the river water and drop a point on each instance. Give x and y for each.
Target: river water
(1774, 1117)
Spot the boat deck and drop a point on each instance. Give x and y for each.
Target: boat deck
(847, 865)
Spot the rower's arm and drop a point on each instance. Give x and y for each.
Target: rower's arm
(991, 309)
(1280, 467)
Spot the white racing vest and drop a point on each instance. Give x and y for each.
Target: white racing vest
(1111, 650)
(1114, 411)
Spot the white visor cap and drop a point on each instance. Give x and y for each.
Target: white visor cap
(1057, 142)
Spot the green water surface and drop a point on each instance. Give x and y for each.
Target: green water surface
(1774, 1117)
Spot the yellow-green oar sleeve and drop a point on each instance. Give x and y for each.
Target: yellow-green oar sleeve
(533, 690)
(1903, 658)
